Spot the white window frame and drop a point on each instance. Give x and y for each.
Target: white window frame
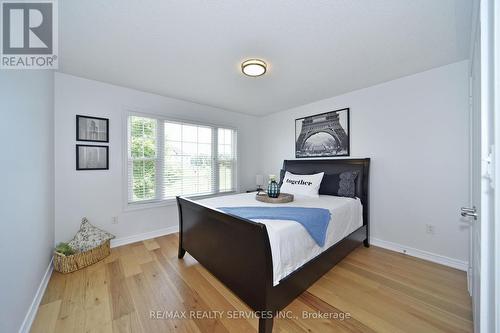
(158, 202)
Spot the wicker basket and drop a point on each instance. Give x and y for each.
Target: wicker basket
(68, 264)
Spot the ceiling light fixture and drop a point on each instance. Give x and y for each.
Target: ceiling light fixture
(253, 67)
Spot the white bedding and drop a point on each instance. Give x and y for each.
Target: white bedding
(291, 245)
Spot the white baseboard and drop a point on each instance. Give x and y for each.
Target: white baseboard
(140, 237)
(436, 258)
(30, 316)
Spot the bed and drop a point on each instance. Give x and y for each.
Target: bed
(251, 258)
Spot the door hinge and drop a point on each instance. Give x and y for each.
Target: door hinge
(489, 167)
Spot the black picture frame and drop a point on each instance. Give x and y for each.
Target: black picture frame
(80, 168)
(331, 125)
(79, 135)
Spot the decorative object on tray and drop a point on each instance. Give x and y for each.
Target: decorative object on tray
(282, 198)
(90, 157)
(323, 135)
(92, 129)
(89, 246)
(273, 189)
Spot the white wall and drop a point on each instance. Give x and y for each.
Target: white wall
(415, 130)
(99, 194)
(27, 200)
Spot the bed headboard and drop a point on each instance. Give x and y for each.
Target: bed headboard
(361, 165)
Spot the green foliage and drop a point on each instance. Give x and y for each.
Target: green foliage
(143, 147)
(144, 174)
(65, 249)
(143, 133)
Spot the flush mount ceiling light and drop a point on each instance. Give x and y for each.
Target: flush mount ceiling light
(254, 67)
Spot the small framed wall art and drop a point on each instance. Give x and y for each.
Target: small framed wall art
(92, 157)
(92, 129)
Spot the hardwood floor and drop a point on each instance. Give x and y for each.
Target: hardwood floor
(372, 290)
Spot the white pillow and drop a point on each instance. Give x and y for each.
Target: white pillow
(307, 185)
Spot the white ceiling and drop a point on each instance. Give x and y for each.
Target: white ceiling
(192, 49)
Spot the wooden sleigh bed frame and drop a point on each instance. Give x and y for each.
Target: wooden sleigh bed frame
(237, 250)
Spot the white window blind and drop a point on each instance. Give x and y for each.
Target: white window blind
(143, 158)
(169, 158)
(225, 158)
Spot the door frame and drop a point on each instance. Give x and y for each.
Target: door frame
(490, 132)
(495, 26)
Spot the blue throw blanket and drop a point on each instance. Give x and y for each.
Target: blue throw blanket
(315, 220)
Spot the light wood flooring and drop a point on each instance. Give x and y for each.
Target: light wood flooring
(377, 290)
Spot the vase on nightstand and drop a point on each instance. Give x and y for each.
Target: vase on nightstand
(273, 189)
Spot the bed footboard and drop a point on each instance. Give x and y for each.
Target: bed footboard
(235, 250)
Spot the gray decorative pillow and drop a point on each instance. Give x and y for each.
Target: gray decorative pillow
(89, 237)
(347, 185)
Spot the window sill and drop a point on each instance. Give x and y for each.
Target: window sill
(148, 205)
(170, 202)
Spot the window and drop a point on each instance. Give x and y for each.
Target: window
(225, 158)
(143, 158)
(169, 158)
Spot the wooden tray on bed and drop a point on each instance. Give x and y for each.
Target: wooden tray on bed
(282, 198)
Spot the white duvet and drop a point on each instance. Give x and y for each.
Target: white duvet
(291, 244)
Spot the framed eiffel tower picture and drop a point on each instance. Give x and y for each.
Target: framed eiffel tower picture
(322, 135)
